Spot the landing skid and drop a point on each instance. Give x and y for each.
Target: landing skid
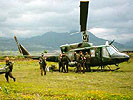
(103, 68)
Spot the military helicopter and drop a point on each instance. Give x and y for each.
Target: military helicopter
(102, 55)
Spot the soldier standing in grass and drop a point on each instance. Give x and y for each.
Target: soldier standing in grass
(87, 62)
(81, 62)
(60, 64)
(76, 59)
(9, 66)
(64, 61)
(43, 64)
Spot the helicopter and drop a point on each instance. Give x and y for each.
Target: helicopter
(102, 55)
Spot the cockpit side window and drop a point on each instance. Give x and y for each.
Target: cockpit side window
(92, 51)
(105, 52)
(115, 48)
(111, 50)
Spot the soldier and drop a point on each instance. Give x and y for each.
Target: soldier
(87, 62)
(81, 62)
(76, 59)
(60, 64)
(75, 56)
(64, 61)
(43, 64)
(9, 65)
(67, 61)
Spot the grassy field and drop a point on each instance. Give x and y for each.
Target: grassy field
(69, 86)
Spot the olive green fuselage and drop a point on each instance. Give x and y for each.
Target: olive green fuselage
(100, 55)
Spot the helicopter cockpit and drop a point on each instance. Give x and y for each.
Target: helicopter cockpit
(111, 50)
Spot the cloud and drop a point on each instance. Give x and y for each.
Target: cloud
(110, 34)
(26, 18)
(98, 31)
(36, 17)
(112, 19)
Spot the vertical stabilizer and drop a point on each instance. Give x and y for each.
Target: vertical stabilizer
(21, 48)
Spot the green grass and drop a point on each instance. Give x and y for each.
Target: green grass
(69, 86)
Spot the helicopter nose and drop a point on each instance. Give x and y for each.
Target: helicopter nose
(126, 57)
(120, 57)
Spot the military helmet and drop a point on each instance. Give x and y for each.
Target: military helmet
(7, 59)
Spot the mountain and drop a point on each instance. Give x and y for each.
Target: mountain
(7, 44)
(129, 44)
(51, 41)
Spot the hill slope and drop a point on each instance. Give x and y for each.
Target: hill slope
(51, 41)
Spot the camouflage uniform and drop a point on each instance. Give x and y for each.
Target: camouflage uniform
(76, 59)
(43, 64)
(9, 73)
(60, 64)
(87, 62)
(81, 62)
(64, 61)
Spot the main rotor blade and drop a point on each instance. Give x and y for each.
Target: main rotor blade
(83, 14)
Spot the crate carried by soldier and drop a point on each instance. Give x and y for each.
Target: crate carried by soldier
(4, 69)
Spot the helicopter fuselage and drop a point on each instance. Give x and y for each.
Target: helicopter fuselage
(100, 55)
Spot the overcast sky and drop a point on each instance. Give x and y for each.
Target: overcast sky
(109, 19)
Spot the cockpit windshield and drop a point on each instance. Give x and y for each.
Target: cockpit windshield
(111, 50)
